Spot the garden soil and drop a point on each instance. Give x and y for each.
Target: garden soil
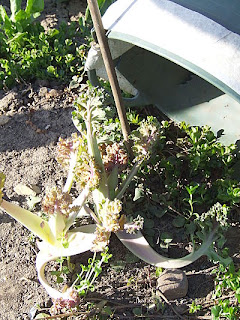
(33, 117)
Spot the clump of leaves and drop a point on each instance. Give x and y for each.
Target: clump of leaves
(197, 157)
(28, 52)
(83, 283)
(227, 293)
(194, 307)
(190, 172)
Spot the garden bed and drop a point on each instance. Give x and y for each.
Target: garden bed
(34, 116)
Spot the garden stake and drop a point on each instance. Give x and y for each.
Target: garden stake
(108, 62)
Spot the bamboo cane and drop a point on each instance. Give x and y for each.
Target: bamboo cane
(108, 62)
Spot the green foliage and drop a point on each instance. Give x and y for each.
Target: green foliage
(199, 163)
(100, 311)
(28, 52)
(100, 113)
(63, 270)
(205, 152)
(106, 123)
(227, 293)
(189, 172)
(158, 271)
(194, 307)
(85, 280)
(38, 54)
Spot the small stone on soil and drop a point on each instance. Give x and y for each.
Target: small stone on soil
(173, 284)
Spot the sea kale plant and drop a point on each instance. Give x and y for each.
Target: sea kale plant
(99, 168)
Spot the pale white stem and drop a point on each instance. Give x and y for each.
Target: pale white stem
(70, 177)
(90, 271)
(92, 214)
(79, 202)
(139, 246)
(81, 240)
(120, 192)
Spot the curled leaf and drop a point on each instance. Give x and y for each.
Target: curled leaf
(139, 246)
(80, 240)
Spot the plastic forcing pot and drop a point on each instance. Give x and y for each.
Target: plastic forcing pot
(182, 56)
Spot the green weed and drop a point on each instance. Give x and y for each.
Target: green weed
(227, 293)
(28, 52)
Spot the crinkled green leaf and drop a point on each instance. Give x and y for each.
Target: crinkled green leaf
(21, 15)
(179, 221)
(34, 6)
(3, 14)
(15, 6)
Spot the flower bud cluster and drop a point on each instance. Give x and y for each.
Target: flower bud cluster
(218, 213)
(67, 146)
(86, 171)
(114, 155)
(134, 225)
(145, 137)
(61, 305)
(109, 216)
(56, 202)
(102, 239)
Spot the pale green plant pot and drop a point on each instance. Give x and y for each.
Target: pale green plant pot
(182, 56)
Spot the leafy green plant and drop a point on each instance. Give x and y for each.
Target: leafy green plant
(194, 307)
(205, 151)
(52, 54)
(197, 158)
(86, 278)
(191, 190)
(20, 19)
(227, 281)
(83, 283)
(177, 184)
(63, 270)
(28, 52)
